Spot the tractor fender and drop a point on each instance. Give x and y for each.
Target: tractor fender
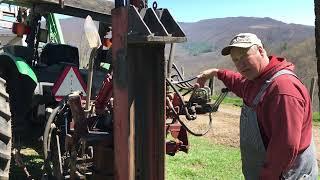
(11, 65)
(8, 66)
(21, 82)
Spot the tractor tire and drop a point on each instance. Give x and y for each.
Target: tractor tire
(5, 132)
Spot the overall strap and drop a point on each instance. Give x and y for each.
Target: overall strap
(268, 82)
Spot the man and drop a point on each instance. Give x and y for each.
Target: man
(276, 119)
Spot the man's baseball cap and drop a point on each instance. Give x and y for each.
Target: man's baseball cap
(242, 40)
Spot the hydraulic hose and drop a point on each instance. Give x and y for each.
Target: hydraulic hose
(188, 115)
(48, 128)
(185, 126)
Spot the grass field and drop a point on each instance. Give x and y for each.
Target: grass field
(230, 100)
(204, 161)
(32, 160)
(316, 118)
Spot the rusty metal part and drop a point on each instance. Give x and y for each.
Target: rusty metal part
(80, 129)
(180, 143)
(78, 114)
(176, 130)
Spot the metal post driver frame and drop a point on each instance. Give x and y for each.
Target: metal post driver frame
(139, 89)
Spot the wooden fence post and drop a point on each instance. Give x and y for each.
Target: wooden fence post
(312, 87)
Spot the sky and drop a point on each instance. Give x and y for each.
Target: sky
(288, 11)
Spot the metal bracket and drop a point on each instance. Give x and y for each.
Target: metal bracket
(171, 25)
(155, 26)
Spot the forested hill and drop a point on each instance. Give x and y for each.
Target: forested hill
(207, 37)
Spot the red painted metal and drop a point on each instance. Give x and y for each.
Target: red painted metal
(180, 142)
(104, 94)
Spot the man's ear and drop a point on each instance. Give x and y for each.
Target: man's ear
(261, 51)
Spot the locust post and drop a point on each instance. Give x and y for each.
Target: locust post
(139, 35)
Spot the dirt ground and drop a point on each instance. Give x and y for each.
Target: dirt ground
(225, 127)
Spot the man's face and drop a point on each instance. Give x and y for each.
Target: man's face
(247, 61)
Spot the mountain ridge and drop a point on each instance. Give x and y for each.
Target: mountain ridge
(207, 37)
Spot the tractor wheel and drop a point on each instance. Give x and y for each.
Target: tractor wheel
(5, 132)
(52, 151)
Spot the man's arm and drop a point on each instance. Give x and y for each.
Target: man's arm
(205, 75)
(235, 82)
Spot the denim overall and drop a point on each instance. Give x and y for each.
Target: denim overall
(253, 151)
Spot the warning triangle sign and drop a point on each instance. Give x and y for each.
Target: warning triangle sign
(70, 80)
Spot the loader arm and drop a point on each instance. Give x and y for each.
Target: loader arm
(55, 32)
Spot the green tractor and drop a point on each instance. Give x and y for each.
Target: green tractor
(31, 74)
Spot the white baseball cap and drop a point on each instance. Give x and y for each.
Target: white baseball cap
(242, 40)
